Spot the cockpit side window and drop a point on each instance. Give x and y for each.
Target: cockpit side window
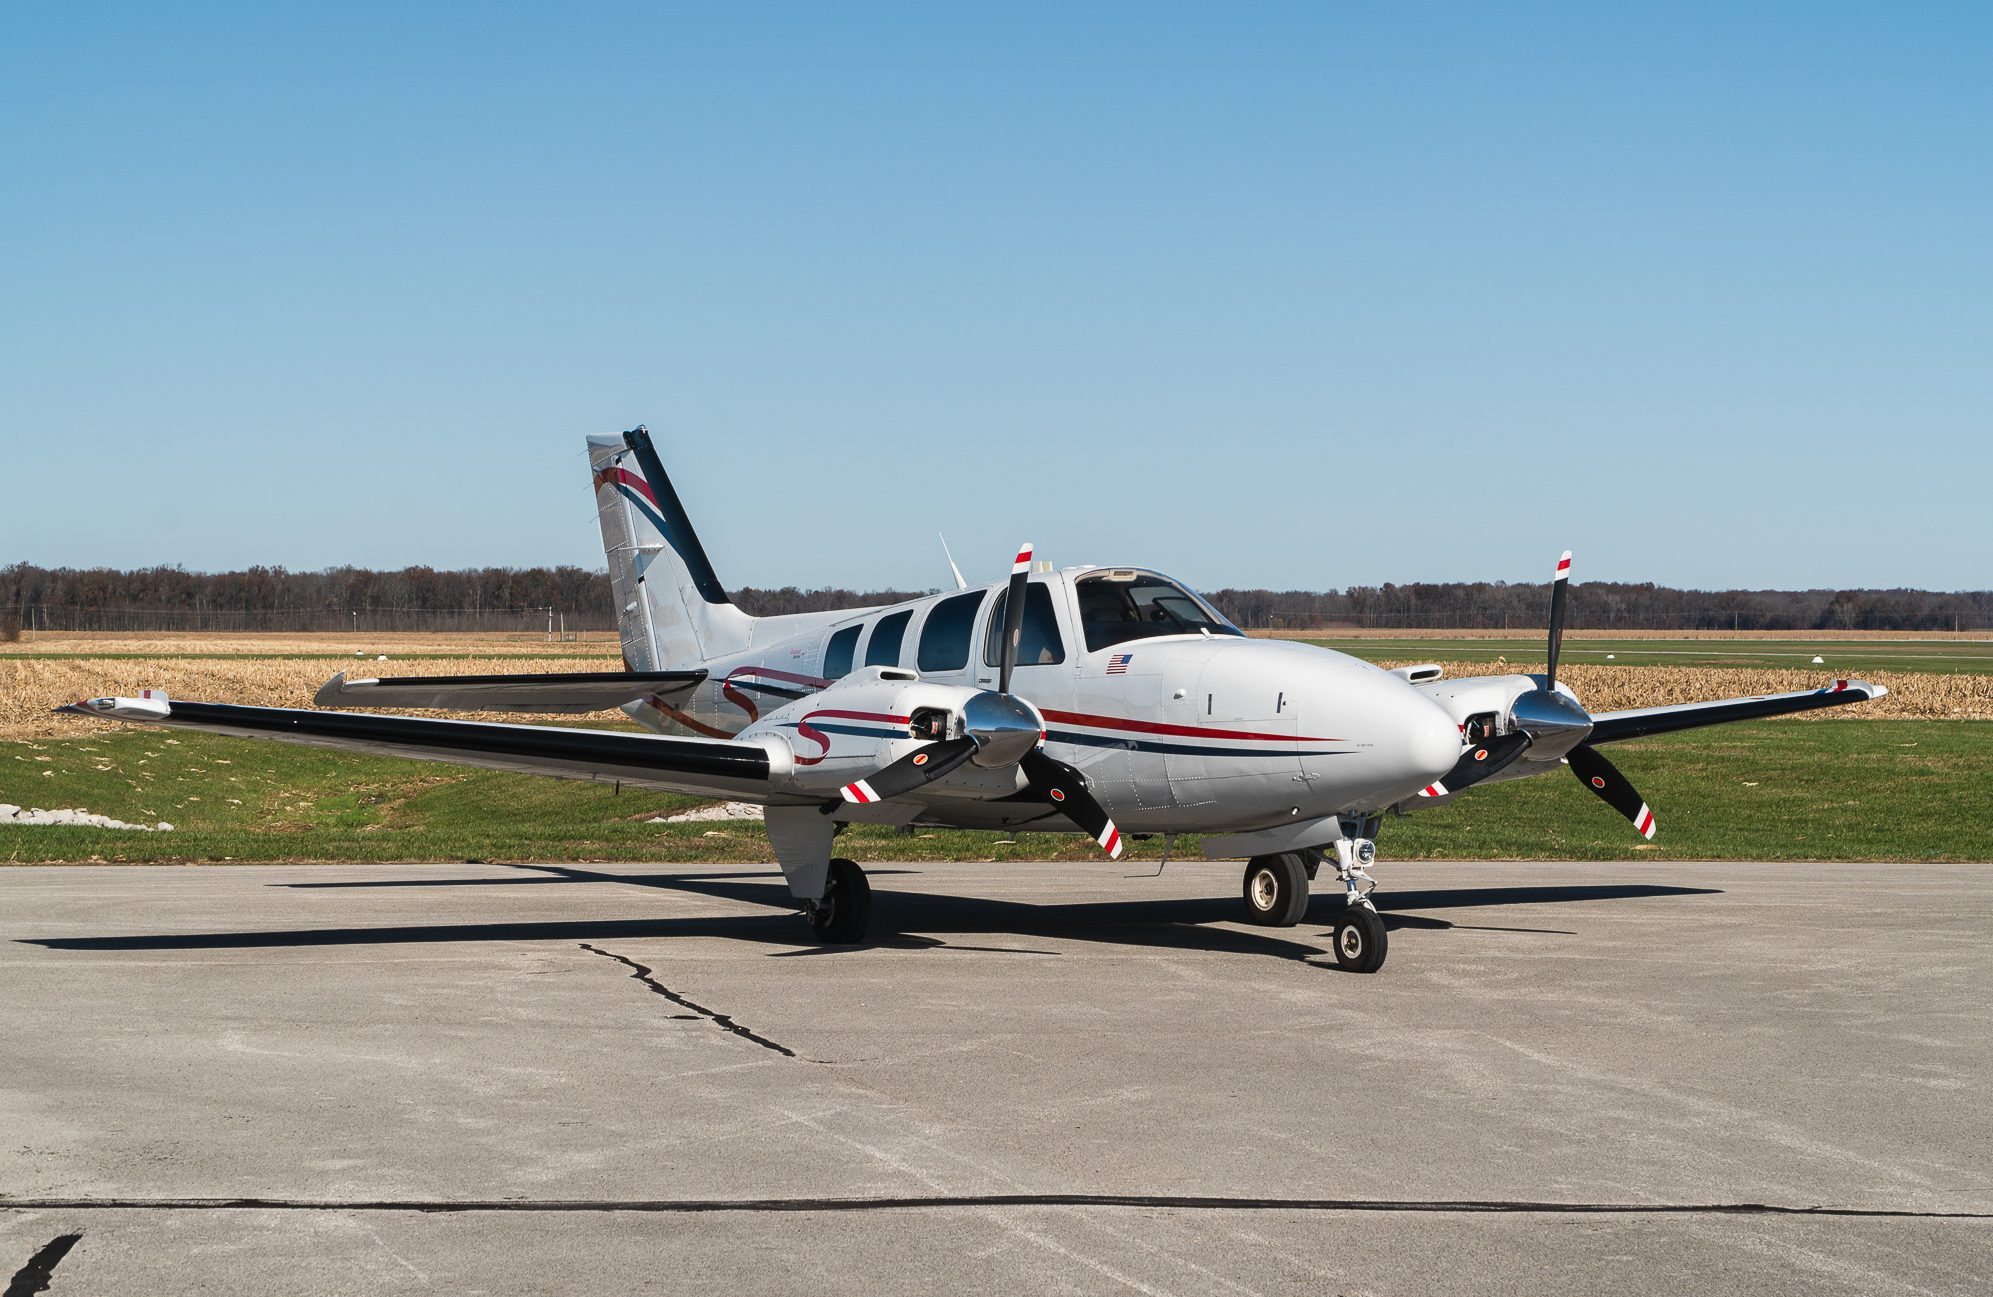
(1127, 604)
(1038, 639)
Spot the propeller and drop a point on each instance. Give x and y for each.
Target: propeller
(1603, 778)
(1013, 614)
(1553, 725)
(1065, 790)
(1474, 766)
(1000, 730)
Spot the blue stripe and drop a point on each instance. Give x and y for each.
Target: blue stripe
(664, 528)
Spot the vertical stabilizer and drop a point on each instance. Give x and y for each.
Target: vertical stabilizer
(671, 608)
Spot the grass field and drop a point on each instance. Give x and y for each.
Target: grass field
(1773, 790)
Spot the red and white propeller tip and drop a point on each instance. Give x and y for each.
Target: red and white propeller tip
(859, 793)
(1644, 822)
(1022, 563)
(1564, 567)
(1110, 841)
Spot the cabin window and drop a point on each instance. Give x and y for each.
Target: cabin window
(1038, 639)
(837, 653)
(944, 638)
(1128, 604)
(887, 636)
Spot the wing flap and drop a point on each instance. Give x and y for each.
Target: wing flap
(700, 767)
(1643, 721)
(571, 692)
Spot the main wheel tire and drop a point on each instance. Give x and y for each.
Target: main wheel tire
(1359, 939)
(845, 911)
(1276, 889)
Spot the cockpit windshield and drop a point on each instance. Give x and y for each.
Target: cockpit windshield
(1123, 604)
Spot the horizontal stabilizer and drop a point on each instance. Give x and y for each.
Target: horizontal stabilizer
(569, 692)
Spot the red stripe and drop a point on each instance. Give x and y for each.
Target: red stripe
(859, 716)
(627, 478)
(1188, 731)
(688, 722)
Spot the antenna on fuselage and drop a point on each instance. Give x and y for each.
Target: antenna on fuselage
(960, 584)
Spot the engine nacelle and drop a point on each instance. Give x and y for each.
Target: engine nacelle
(866, 721)
(1486, 706)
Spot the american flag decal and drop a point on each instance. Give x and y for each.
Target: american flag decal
(1118, 664)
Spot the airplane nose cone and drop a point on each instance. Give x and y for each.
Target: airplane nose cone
(1432, 740)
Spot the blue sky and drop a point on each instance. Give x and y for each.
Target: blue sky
(1286, 295)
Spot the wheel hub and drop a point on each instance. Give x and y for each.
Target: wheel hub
(1349, 942)
(1266, 889)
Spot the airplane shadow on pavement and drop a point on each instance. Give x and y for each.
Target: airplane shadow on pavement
(1174, 923)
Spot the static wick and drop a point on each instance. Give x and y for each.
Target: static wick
(1169, 845)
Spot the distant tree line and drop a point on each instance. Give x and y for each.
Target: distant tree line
(1606, 605)
(423, 598)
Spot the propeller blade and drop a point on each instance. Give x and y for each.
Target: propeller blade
(1013, 614)
(1603, 778)
(1065, 788)
(911, 771)
(1558, 589)
(1482, 760)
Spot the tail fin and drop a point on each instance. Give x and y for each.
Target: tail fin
(671, 608)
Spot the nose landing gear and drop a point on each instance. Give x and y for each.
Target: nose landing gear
(1358, 937)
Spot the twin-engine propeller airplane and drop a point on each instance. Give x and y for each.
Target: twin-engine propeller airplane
(1113, 700)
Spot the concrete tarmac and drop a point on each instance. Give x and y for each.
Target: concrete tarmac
(1568, 1078)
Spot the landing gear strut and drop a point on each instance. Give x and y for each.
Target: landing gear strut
(1358, 936)
(845, 911)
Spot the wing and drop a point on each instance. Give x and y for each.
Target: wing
(701, 767)
(567, 692)
(1642, 721)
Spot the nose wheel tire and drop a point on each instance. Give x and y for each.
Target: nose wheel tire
(1359, 940)
(1276, 889)
(845, 912)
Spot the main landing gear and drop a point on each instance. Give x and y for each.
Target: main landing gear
(1276, 894)
(845, 910)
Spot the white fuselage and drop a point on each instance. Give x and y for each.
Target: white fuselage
(1175, 732)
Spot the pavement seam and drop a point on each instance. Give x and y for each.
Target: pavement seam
(1167, 1202)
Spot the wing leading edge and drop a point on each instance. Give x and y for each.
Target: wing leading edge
(700, 767)
(1640, 722)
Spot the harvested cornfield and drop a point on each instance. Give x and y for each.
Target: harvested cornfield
(31, 688)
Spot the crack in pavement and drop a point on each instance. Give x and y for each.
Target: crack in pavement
(34, 1277)
(972, 1201)
(642, 974)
